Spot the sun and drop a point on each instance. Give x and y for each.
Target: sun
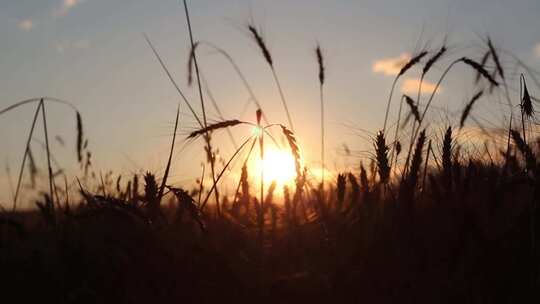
(278, 166)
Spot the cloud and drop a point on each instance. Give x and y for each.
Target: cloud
(66, 6)
(410, 86)
(26, 25)
(391, 66)
(537, 49)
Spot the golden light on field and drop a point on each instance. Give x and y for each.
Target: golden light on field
(277, 165)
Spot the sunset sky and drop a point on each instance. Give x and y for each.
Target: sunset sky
(93, 54)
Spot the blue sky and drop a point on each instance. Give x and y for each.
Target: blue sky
(93, 54)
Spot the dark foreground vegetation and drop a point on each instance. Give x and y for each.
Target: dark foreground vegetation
(464, 234)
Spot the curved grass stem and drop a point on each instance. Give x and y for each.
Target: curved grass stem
(25, 156)
(282, 96)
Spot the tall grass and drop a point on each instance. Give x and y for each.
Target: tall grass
(412, 62)
(259, 40)
(25, 156)
(208, 138)
(49, 166)
(320, 63)
(27, 151)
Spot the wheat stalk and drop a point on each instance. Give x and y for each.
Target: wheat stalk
(214, 127)
(475, 65)
(171, 79)
(262, 45)
(320, 62)
(525, 149)
(236, 68)
(416, 161)
(427, 67)
(268, 57)
(191, 61)
(482, 63)
(526, 101)
(468, 107)
(426, 166)
(80, 135)
(480, 69)
(38, 100)
(167, 168)
(381, 157)
(32, 168)
(201, 97)
(412, 107)
(49, 166)
(495, 58)
(396, 135)
(431, 61)
(291, 139)
(447, 156)
(416, 59)
(25, 156)
(218, 110)
(218, 178)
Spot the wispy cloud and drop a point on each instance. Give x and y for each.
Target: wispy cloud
(26, 25)
(65, 7)
(410, 86)
(391, 66)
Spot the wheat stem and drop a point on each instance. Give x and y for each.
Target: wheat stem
(49, 166)
(521, 80)
(323, 167)
(27, 148)
(201, 187)
(243, 78)
(430, 100)
(389, 102)
(282, 96)
(392, 161)
(244, 165)
(223, 171)
(166, 174)
(171, 79)
(207, 136)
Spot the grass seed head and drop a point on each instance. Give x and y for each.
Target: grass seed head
(526, 102)
(191, 63)
(214, 127)
(262, 45)
(433, 60)
(381, 156)
(483, 64)
(480, 69)
(447, 153)
(468, 108)
(413, 107)
(320, 62)
(80, 135)
(416, 59)
(493, 52)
